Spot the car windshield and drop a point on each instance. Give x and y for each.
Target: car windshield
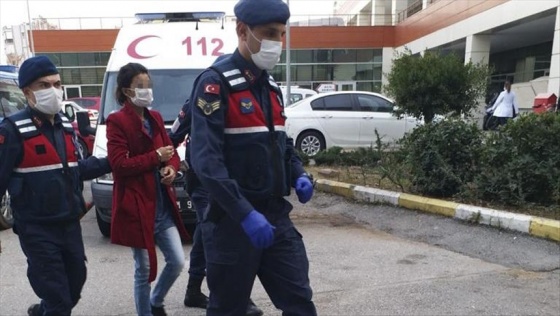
(11, 98)
(171, 88)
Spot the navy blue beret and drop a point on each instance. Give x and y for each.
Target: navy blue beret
(259, 12)
(35, 68)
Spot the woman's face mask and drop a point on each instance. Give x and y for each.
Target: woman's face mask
(48, 101)
(142, 97)
(269, 54)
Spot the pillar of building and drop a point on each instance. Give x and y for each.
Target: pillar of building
(378, 13)
(554, 76)
(477, 51)
(387, 55)
(425, 4)
(396, 7)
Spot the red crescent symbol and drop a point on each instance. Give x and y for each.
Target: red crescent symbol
(131, 50)
(208, 89)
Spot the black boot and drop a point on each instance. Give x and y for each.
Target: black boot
(253, 310)
(34, 310)
(194, 297)
(158, 311)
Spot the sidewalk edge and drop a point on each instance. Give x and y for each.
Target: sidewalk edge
(532, 225)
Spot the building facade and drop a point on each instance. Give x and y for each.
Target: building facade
(352, 48)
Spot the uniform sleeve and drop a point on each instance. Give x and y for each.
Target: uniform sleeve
(207, 147)
(178, 134)
(118, 153)
(93, 167)
(295, 161)
(11, 151)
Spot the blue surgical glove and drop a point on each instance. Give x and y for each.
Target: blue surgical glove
(304, 189)
(259, 230)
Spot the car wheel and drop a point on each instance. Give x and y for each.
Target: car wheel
(6, 215)
(104, 227)
(83, 148)
(310, 143)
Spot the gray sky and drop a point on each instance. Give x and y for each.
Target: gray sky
(14, 12)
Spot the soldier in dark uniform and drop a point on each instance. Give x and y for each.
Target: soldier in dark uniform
(244, 159)
(199, 198)
(43, 170)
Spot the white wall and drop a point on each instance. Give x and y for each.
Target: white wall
(554, 77)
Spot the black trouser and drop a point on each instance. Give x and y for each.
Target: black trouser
(232, 264)
(56, 264)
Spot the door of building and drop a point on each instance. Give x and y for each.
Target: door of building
(345, 86)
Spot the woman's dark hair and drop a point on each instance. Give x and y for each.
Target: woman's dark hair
(124, 79)
(507, 85)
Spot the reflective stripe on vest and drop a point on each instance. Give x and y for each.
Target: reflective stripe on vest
(245, 114)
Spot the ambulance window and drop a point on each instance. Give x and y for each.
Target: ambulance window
(11, 99)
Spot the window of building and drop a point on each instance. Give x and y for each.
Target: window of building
(69, 59)
(322, 55)
(101, 59)
(88, 76)
(344, 72)
(91, 91)
(303, 73)
(322, 72)
(344, 56)
(86, 59)
(53, 57)
(302, 56)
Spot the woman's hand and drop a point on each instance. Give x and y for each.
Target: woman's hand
(165, 153)
(167, 175)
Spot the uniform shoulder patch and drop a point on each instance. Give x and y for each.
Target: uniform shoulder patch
(212, 88)
(208, 107)
(2, 139)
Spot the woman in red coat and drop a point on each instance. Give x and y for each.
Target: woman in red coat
(144, 212)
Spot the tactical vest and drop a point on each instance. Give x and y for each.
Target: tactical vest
(255, 145)
(43, 188)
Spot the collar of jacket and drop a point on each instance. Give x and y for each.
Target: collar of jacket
(128, 108)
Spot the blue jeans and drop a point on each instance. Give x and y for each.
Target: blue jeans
(197, 268)
(169, 242)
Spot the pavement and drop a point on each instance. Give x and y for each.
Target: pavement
(532, 225)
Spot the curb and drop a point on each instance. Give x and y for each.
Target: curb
(532, 225)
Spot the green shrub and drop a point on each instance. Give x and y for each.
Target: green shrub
(521, 162)
(442, 157)
(363, 157)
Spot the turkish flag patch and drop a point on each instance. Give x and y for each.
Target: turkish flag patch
(212, 88)
(2, 139)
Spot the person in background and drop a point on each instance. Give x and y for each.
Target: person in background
(43, 171)
(505, 108)
(144, 212)
(241, 154)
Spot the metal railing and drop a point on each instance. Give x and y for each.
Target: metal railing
(412, 9)
(295, 20)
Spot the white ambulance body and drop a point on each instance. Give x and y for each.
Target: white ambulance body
(175, 48)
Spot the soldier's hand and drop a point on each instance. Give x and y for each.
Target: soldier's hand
(165, 153)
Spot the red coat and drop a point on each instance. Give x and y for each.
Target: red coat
(133, 158)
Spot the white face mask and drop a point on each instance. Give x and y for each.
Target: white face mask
(268, 56)
(142, 97)
(48, 101)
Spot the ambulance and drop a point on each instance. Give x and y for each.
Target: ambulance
(175, 48)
